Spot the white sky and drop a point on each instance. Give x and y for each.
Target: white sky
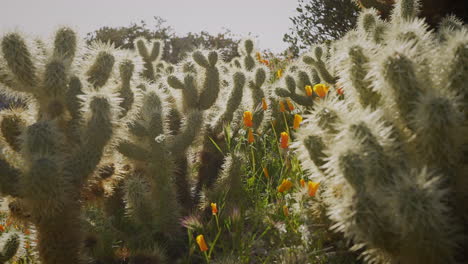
(267, 19)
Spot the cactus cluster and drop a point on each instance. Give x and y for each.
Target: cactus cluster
(113, 148)
(53, 145)
(116, 145)
(392, 154)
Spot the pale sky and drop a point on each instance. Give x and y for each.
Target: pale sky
(267, 19)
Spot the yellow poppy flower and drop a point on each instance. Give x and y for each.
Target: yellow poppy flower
(201, 243)
(312, 187)
(284, 186)
(285, 210)
(259, 56)
(214, 208)
(321, 89)
(279, 73)
(308, 90)
(297, 121)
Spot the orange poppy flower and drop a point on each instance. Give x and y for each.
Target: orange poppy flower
(284, 140)
(302, 182)
(248, 119)
(264, 104)
(290, 105)
(321, 90)
(281, 106)
(340, 91)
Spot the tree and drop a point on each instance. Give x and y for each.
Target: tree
(319, 20)
(175, 46)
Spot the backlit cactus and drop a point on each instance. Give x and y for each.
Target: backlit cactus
(9, 248)
(52, 147)
(394, 145)
(113, 148)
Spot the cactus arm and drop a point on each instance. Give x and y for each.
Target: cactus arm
(11, 127)
(211, 82)
(126, 69)
(138, 129)
(19, 61)
(358, 71)
(291, 93)
(132, 151)
(233, 102)
(10, 248)
(9, 178)
(257, 96)
(191, 129)
(156, 51)
(319, 65)
(148, 63)
(150, 59)
(316, 147)
(152, 110)
(65, 45)
(399, 73)
(247, 48)
(55, 79)
(189, 94)
(100, 71)
(97, 133)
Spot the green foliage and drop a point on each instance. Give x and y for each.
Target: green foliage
(175, 47)
(319, 20)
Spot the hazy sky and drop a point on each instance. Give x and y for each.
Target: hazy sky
(267, 19)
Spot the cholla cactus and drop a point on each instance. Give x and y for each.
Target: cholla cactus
(53, 146)
(317, 61)
(246, 49)
(391, 153)
(152, 58)
(9, 248)
(294, 86)
(158, 188)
